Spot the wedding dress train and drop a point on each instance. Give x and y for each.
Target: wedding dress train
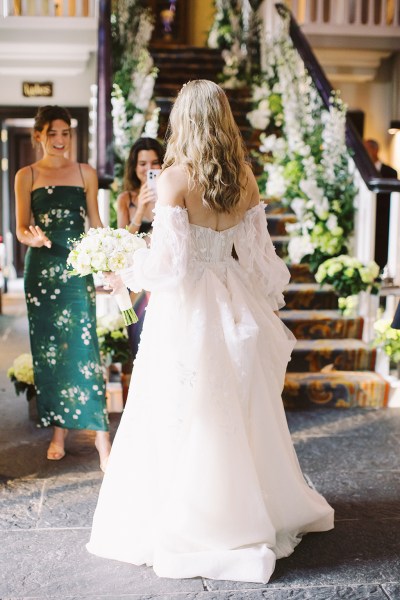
(203, 479)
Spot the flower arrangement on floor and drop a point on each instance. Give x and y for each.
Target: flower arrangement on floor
(113, 340)
(104, 249)
(303, 154)
(21, 374)
(388, 339)
(348, 277)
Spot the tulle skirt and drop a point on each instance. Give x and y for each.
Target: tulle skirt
(203, 479)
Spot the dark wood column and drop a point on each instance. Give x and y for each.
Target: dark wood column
(105, 159)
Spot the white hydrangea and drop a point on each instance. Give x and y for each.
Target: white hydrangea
(299, 247)
(22, 369)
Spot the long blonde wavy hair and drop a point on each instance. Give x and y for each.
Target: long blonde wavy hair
(204, 138)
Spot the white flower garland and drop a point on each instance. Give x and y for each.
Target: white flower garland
(307, 165)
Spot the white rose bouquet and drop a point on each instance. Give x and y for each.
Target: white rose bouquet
(107, 250)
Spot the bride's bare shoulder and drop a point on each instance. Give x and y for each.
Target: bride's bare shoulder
(172, 186)
(253, 193)
(175, 172)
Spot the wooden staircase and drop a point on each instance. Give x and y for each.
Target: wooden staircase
(331, 365)
(177, 65)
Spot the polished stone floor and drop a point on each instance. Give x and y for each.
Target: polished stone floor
(352, 457)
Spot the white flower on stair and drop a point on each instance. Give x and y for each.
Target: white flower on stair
(299, 247)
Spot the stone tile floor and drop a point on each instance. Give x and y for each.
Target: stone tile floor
(352, 457)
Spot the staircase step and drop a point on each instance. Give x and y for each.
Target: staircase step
(312, 356)
(277, 223)
(281, 243)
(326, 324)
(337, 389)
(184, 52)
(301, 273)
(310, 296)
(274, 207)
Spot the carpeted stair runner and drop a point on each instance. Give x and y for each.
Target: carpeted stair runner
(344, 355)
(337, 389)
(309, 296)
(330, 365)
(277, 223)
(178, 64)
(325, 324)
(301, 273)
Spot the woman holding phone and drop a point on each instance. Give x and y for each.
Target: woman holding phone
(136, 203)
(135, 210)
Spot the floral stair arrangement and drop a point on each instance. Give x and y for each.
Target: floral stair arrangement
(306, 171)
(307, 180)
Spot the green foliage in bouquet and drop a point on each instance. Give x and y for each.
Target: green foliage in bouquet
(349, 276)
(21, 374)
(113, 340)
(388, 339)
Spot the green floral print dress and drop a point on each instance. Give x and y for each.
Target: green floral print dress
(62, 318)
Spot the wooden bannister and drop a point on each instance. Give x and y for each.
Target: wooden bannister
(105, 160)
(38, 8)
(355, 144)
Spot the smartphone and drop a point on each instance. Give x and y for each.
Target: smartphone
(151, 178)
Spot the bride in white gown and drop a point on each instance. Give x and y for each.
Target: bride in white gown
(203, 479)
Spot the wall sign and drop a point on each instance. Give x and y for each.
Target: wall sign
(34, 88)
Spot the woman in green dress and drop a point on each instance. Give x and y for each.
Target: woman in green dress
(53, 198)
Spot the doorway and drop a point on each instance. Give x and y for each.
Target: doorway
(18, 151)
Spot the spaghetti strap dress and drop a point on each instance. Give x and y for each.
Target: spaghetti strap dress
(62, 318)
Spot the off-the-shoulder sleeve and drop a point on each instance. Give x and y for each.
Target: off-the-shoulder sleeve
(164, 264)
(257, 256)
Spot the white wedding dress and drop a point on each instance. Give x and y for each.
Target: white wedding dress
(202, 478)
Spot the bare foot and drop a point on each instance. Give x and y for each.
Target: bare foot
(56, 450)
(103, 446)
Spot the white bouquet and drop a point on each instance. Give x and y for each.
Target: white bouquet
(107, 250)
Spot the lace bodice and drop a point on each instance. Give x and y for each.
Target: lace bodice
(181, 250)
(208, 245)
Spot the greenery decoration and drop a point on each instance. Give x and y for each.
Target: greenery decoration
(303, 155)
(388, 339)
(235, 31)
(134, 111)
(113, 340)
(348, 276)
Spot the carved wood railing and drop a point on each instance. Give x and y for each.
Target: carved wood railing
(367, 179)
(356, 17)
(361, 158)
(105, 160)
(48, 8)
